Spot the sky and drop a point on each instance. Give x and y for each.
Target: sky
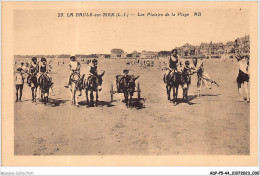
(43, 32)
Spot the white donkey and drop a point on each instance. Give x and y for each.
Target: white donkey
(76, 85)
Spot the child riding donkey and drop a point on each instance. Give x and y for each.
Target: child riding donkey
(93, 71)
(44, 70)
(126, 84)
(75, 81)
(172, 77)
(173, 65)
(74, 66)
(93, 82)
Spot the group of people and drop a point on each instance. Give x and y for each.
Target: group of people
(175, 65)
(75, 66)
(39, 68)
(35, 70)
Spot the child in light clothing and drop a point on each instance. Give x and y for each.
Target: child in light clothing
(19, 80)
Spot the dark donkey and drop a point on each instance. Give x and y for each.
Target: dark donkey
(44, 85)
(91, 84)
(32, 82)
(127, 85)
(186, 81)
(173, 81)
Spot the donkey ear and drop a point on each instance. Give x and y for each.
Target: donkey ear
(102, 74)
(136, 78)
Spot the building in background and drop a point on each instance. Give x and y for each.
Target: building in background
(118, 53)
(148, 55)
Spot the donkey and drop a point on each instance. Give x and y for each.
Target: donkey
(76, 85)
(92, 84)
(33, 83)
(127, 85)
(44, 85)
(186, 81)
(173, 81)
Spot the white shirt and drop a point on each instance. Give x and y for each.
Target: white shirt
(18, 79)
(74, 65)
(243, 66)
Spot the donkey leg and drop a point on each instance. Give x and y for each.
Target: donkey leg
(176, 95)
(130, 100)
(17, 95)
(126, 99)
(71, 95)
(87, 97)
(183, 91)
(168, 89)
(187, 92)
(45, 100)
(32, 94)
(76, 98)
(35, 94)
(91, 98)
(47, 96)
(173, 94)
(96, 98)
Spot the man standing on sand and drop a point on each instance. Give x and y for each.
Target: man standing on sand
(243, 76)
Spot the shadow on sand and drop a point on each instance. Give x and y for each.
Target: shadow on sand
(100, 104)
(209, 95)
(192, 97)
(51, 102)
(136, 104)
(55, 102)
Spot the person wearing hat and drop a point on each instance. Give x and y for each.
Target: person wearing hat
(127, 76)
(243, 76)
(125, 72)
(23, 67)
(33, 70)
(44, 69)
(93, 70)
(74, 66)
(19, 80)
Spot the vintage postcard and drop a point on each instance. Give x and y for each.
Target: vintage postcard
(129, 83)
